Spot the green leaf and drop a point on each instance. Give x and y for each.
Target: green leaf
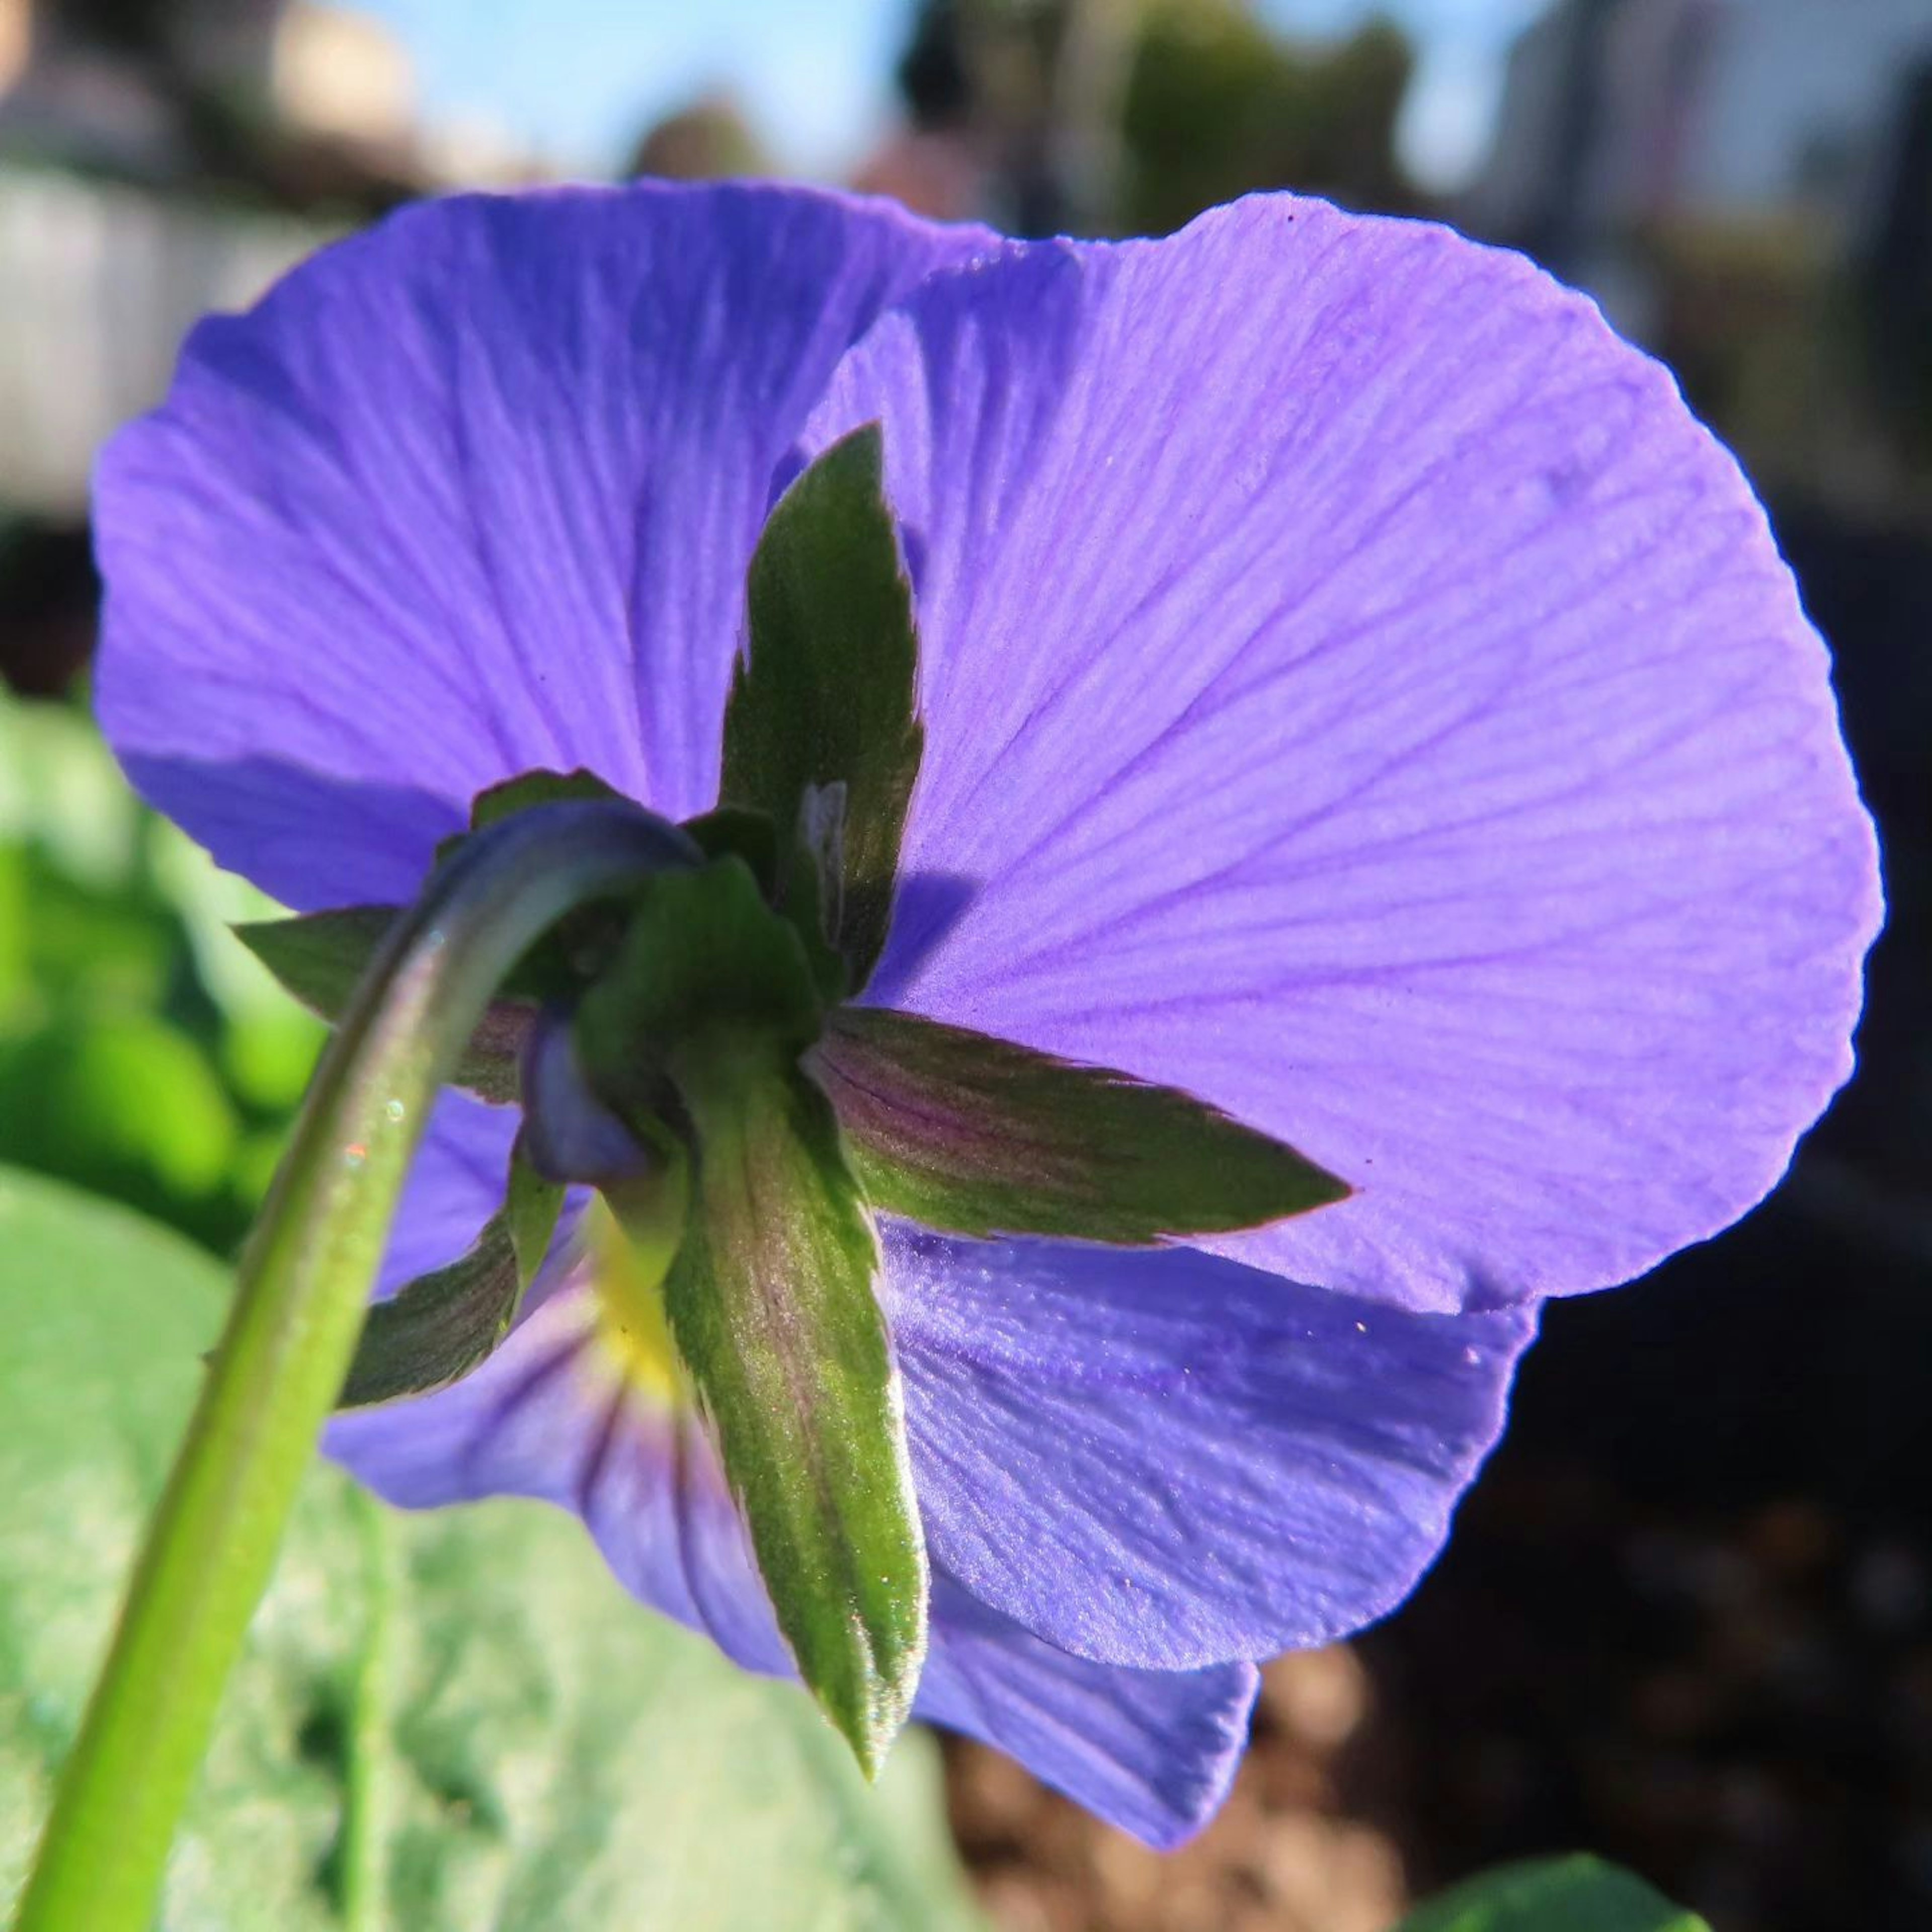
(120, 1100)
(828, 692)
(443, 1721)
(320, 957)
(1579, 1893)
(771, 1295)
(436, 1328)
(976, 1135)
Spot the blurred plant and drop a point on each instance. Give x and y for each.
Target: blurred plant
(1219, 104)
(443, 1723)
(1896, 284)
(1132, 116)
(709, 140)
(1033, 88)
(143, 1053)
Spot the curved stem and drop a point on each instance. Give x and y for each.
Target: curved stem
(301, 1286)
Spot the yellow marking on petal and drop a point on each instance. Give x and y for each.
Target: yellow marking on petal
(629, 1259)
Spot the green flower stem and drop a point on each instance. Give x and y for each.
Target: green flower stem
(301, 1286)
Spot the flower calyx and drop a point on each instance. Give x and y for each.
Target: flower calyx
(694, 1052)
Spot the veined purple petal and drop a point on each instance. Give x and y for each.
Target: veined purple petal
(1165, 1459)
(1357, 692)
(455, 1184)
(567, 1411)
(560, 1414)
(471, 493)
(1151, 1751)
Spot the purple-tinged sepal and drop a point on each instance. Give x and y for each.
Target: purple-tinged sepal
(770, 1280)
(953, 1130)
(320, 957)
(436, 1329)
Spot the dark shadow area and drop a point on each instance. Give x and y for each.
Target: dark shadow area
(1686, 1618)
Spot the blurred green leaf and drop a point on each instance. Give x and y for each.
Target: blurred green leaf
(122, 1102)
(442, 1723)
(1579, 1894)
(144, 1052)
(60, 789)
(85, 944)
(15, 978)
(268, 1058)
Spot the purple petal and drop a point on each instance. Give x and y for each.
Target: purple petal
(1165, 1459)
(1359, 693)
(551, 1416)
(520, 1425)
(471, 493)
(455, 1184)
(1151, 1751)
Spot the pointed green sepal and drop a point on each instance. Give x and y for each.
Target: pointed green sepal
(558, 968)
(771, 1294)
(508, 797)
(978, 1136)
(827, 694)
(799, 887)
(320, 957)
(434, 1329)
(773, 1302)
(731, 832)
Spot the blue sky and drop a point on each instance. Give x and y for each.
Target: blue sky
(580, 79)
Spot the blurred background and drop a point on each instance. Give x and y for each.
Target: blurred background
(1686, 1617)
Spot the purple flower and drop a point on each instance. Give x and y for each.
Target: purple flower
(1355, 692)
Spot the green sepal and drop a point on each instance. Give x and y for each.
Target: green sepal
(771, 1294)
(773, 1302)
(1577, 1893)
(975, 1135)
(798, 888)
(731, 832)
(574, 950)
(434, 1329)
(827, 693)
(704, 959)
(509, 797)
(320, 957)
